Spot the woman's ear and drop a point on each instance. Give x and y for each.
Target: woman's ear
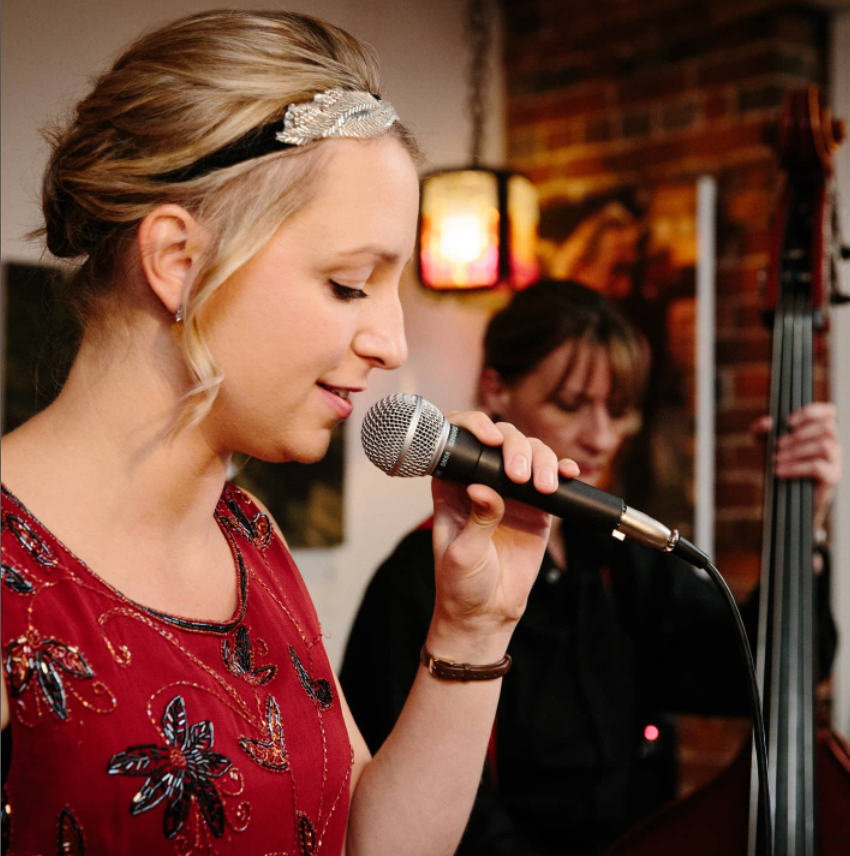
(170, 246)
(494, 395)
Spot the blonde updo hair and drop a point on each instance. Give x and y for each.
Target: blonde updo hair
(177, 94)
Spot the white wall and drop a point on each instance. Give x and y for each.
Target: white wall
(51, 47)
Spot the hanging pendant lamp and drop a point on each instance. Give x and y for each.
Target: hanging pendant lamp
(478, 226)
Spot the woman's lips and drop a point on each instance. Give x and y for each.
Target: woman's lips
(333, 396)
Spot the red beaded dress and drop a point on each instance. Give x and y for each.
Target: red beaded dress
(139, 733)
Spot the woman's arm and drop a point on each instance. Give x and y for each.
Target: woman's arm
(415, 795)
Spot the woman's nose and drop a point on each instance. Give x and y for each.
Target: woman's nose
(382, 340)
(603, 434)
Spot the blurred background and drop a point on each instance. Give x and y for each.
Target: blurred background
(614, 109)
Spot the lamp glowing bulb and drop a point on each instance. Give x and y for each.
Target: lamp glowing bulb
(463, 238)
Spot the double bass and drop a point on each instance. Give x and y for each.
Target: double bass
(809, 765)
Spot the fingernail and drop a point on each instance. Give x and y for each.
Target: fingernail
(547, 477)
(519, 466)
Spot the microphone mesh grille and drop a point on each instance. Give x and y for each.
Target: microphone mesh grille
(385, 429)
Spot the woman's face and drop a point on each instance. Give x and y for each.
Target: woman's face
(297, 330)
(575, 419)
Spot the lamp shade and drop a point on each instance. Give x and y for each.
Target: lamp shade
(478, 228)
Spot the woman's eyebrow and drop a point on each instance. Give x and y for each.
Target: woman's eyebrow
(372, 249)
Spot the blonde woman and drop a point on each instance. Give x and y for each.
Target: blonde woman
(242, 204)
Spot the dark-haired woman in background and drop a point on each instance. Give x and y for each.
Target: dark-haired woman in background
(613, 634)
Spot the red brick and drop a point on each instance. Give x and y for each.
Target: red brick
(748, 455)
(652, 87)
(738, 418)
(734, 530)
(582, 167)
(752, 381)
(760, 60)
(720, 141)
(737, 281)
(565, 135)
(565, 105)
(716, 106)
(743, 349)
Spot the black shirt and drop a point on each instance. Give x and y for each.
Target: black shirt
(602, 650)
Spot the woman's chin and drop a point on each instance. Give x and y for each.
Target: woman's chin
(300, 450)
(310, 451)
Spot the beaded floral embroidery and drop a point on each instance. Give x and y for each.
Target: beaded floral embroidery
(203, 795)
(257, 530)
(69, 838)
(306, 834)
(182, 769)
(14, 580)
(317, 689)
(271, 751)
(30, 540)
(31, 656)
(239, 659)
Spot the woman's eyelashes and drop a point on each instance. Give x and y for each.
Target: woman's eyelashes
(567, 406)
(345, 292)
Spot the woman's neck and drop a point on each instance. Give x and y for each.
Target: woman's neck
(107, 440)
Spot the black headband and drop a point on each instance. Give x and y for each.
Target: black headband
(260, 141)
(256, 143)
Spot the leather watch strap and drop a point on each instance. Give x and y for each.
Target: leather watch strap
(448, 670)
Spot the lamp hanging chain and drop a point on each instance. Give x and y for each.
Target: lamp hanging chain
(478, 32)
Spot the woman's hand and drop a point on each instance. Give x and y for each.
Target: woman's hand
(810, 450)
(488, 550)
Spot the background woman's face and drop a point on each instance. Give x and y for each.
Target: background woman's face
(298, 329)
(576, 418)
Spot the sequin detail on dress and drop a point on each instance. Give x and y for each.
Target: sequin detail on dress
(31, 655)
(257, 530)
(5, 822)
(14, 580)
(271, 751)
(182, 769)
(239, 659)
(69, 838)
(306, 834)
(318, 689)
(29, 540)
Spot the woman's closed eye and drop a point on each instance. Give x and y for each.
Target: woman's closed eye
(346, 292)
(567, 405)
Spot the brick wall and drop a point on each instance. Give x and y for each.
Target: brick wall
(611, 93)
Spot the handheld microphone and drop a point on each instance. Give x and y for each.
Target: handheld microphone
(404, 435)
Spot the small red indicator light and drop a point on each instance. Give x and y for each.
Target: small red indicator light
(651, 732)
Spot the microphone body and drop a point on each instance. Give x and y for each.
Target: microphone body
(404, 435)
(463, 458)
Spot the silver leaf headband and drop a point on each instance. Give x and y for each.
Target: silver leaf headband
(333, 113)
(336, 113)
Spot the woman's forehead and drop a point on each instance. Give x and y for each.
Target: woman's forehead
(580, 366)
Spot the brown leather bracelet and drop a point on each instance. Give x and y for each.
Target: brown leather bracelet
(448, 670)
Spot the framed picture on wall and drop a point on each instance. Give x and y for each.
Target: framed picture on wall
(638, 245)
(40, 338)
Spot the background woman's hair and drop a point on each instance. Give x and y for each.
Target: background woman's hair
(551, 313)
(177, 94)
